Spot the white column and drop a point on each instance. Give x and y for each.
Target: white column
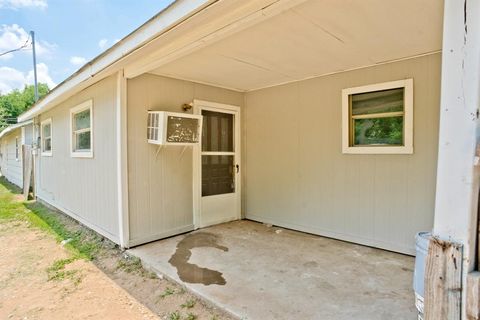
(122, 169)
(457, 186)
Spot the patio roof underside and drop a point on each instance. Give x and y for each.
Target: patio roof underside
(296, 40)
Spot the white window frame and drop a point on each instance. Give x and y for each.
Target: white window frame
(87, 105)
(407, 148)
(42, 139)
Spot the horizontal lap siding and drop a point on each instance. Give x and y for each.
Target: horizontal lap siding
(160, 186)
(85, 188)
(298, 177)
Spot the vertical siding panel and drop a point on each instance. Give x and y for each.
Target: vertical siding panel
(160, 188)
(380, 200)
(85, 188)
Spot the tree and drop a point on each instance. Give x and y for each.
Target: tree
(16, 102)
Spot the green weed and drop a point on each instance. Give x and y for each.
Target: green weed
(188, 304)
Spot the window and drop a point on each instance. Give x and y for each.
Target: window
(46, 135)
(81, 120)
(378, 119)
(17, 151)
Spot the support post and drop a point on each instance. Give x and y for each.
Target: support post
(457, 176)
(122, 173)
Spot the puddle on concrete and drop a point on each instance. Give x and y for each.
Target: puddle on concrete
(189, 272)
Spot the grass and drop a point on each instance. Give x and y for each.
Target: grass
(83, 243)
(191, 316)
(167, 292)
(174, 316)
(188, 304)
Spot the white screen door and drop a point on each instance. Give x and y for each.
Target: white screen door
(219, 165)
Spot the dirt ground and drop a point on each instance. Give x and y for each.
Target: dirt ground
(40, 279)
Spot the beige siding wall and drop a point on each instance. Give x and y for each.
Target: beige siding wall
(298, 177)
(160, 187)
(85, 188)
(28, 134)
(12, 168)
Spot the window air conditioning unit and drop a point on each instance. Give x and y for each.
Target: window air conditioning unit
(170, 128)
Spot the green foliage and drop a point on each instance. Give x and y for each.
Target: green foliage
(381, 131)
(83, 243)
(57, 272)
(130, 264)
(188, 304)
(174, 316)
(18, 101)
(167, 292)
(191, 316)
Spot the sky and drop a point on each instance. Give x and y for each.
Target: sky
(68, 34)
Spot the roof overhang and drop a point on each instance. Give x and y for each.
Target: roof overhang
(12, 127)
(115, 57)
(251, 44)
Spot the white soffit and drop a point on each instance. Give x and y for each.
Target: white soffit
(315, 38)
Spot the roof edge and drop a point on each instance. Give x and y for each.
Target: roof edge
(166, 19)
(12, 127)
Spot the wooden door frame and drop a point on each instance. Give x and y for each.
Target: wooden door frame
(198, 106)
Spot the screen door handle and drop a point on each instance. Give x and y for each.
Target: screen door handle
(237, 167)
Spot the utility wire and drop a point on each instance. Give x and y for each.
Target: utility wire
(18, 49)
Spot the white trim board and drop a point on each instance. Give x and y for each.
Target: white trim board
(122, 158)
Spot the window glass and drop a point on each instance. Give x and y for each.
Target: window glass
(377, 102)
(82, 132)
(379, 131)
(218, 176)
(47, 144)
(16, 149)
(217, 132)
(377, 118)
(82, 120)
(46, 130)
(82, 141)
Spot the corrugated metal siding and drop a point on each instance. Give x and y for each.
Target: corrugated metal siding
(82, 187)
(298, 177)
(160, 188)
(12, 168)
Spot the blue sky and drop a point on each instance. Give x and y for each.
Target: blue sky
(68, 34)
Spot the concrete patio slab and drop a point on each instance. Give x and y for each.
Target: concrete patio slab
(258, 272)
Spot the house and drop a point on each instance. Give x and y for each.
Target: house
(354, 120)
(12, 140)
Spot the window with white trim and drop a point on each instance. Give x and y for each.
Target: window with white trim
(81, 119)
(378, 119)
(17, 149)
(46, 136)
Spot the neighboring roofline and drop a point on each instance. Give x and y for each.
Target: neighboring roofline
(12, 127)
(172, 15)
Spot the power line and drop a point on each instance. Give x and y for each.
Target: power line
(18, 49)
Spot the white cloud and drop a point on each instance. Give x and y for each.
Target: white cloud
(77, 61)
(13, 36)
(102, 44)
(11, 79)
(17, 4)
